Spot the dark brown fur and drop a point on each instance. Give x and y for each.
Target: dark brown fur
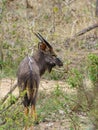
(32, 68)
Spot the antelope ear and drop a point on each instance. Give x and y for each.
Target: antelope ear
(42, 46)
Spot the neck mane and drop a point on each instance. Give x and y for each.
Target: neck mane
(40, 60)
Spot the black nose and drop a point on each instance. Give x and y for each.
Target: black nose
(59, 62)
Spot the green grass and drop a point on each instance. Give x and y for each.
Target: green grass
(54, 75)
(51, 104)
(8, 73)
(48, 107)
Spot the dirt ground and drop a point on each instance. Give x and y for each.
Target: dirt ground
(64, 124)
(48, 86)
(57, 21)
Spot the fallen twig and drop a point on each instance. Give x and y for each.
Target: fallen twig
(7, 95)
(86, 29)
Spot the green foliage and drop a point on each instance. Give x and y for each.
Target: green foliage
(57, 91)
(50, 105)
(93, 67)
(54, 75)
(55, 9)
(12, 99)
(12, 116)
(4, 1)
(2, 63)
(71, 128)
(75, 78)
(12, 55)
(56, 106)
(16, 31)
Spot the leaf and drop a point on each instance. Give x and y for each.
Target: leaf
(55, 9)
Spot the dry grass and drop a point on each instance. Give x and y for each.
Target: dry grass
(56, 20)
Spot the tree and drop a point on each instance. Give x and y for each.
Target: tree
(96, 8)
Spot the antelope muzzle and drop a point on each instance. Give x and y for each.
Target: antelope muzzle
(58, 62)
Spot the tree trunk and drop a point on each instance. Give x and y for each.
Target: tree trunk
(97, 8)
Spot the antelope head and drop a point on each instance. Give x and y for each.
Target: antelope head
(49, 55)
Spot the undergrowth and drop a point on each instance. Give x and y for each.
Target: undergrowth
(51, 106)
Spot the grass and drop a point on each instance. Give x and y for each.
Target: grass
(8, 72)
(50, 107)
(56, 26)
(56, 74)
(50, 104)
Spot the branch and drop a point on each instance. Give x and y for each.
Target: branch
(96, 12)
(10, 105)
(87, 29)
(6, 96)
(2, 123)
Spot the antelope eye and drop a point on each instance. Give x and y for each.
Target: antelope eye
(54, 56)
